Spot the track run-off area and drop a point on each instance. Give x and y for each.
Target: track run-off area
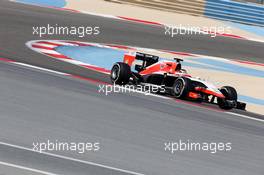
(49, 99)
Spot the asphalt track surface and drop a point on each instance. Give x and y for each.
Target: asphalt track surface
(36, 106)
(131, 128)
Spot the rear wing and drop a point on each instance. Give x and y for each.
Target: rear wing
(146, 57)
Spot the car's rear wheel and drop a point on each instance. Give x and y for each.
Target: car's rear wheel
(181, 87)
(230, 99)
(120, 73)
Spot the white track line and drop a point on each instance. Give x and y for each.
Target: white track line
(71, 159)
(245, 116)
(46, 51)
(26, 168)
(39, 68)
(44, 45)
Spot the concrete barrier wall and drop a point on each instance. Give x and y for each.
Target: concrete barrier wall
(247, 13)
(193, 7)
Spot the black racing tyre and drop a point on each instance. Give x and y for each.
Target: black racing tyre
(181, 87)
(230, 94)
(120, 73)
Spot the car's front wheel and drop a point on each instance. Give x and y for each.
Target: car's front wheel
(230, 100)
(120, 73)
(181, 87)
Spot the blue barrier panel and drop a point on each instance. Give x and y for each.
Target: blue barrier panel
(239, 4)
(53, 3)
(235, 11)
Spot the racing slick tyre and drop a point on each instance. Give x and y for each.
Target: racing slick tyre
(230, 100)
(181, 87)
(120, 73)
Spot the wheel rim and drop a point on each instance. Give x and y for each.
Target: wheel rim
(115, 73)
(178, 88)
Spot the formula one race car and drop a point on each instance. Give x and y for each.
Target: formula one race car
(171, 79)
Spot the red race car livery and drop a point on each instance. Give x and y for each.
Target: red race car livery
(145, 69)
